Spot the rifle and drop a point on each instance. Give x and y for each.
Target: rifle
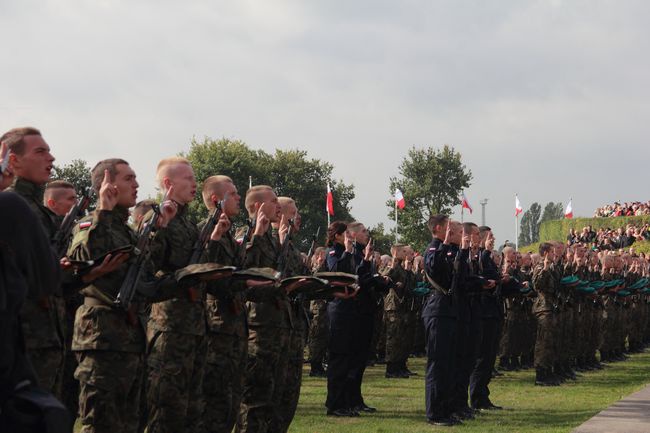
(251, 222)
(62, 236)
(313, 243)
(141, 253)
(284, 255)
(206, 232)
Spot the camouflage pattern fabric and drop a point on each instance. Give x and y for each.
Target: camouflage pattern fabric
(227, 342)
(176, 364)
(176, 336)
(43, 317)
(110, 382)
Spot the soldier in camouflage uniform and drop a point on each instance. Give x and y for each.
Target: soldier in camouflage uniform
(109, 342)
(394, 312)
(227, 337)
(60, 197)
(177, 327)
(42, 317)
(319, 326)
(294, 266)
(546, 286)
(269, 322)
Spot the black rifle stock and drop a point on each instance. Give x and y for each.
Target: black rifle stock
(251, 222)
(62, 236)
(206, 232)
(313, 244)
(141, 253)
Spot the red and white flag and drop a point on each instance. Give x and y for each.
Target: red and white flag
(518, 208)
(466, 204)
(329, 207)
(399, 199)
(568, 213)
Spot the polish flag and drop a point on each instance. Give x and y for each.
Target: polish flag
(466, 204)
(518, 208)
(399, 199)
(329, 207)
(568, 213)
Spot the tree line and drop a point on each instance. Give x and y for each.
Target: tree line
(431, 180)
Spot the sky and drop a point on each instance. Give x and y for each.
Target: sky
(547, 99)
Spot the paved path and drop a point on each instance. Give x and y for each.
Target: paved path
(630, 415)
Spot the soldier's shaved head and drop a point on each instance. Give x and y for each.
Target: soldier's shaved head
(166, 167)
(214, 185)
(256, 194)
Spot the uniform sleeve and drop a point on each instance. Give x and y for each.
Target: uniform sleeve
(254, 250)
(434, 261)
(543, 280)
(92, 237)
(339, 262)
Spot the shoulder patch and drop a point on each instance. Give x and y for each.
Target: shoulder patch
(85, 225)
(332, 253)
(432, 249)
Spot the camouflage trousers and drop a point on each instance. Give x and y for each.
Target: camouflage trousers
(394, 322)
(109, 389)
(545, 344)
(48, 365)
(291, 394)
(224, 380)
(265, 380)
(176, 364)
(318, 331)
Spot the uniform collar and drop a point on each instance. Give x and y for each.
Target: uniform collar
(29, 189)
(120, 213)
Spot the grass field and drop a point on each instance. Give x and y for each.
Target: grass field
(526, 408)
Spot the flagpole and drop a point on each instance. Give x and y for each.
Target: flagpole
(396, 235)
(462, 208)
(517, 232)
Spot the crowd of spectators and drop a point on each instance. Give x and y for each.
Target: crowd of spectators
(636, 208)
(610, 239)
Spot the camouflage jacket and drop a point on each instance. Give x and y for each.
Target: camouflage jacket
(225, 309)
(546, 284)
(42, 316)
(396, 299)
(263, 252)
(296, 267)
(103, 326)
(171, 249)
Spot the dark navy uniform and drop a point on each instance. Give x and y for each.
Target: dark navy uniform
(440, 316)
(491, 307)
(351, 324)
(468, 331)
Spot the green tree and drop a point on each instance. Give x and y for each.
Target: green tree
(76, 172)
(381, 240)
(552, 211)
(291, 173)
(432, 181)
(529, 225)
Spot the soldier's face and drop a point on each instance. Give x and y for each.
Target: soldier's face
(182, 178)
(62, 200)
(361, 235)
(272, 208)
(35, 164)
(127, 186)
(233, 200)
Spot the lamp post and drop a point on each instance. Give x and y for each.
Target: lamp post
(483, 204)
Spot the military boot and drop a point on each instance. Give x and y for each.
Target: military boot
(543, 377)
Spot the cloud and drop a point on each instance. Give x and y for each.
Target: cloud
(544, 98)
